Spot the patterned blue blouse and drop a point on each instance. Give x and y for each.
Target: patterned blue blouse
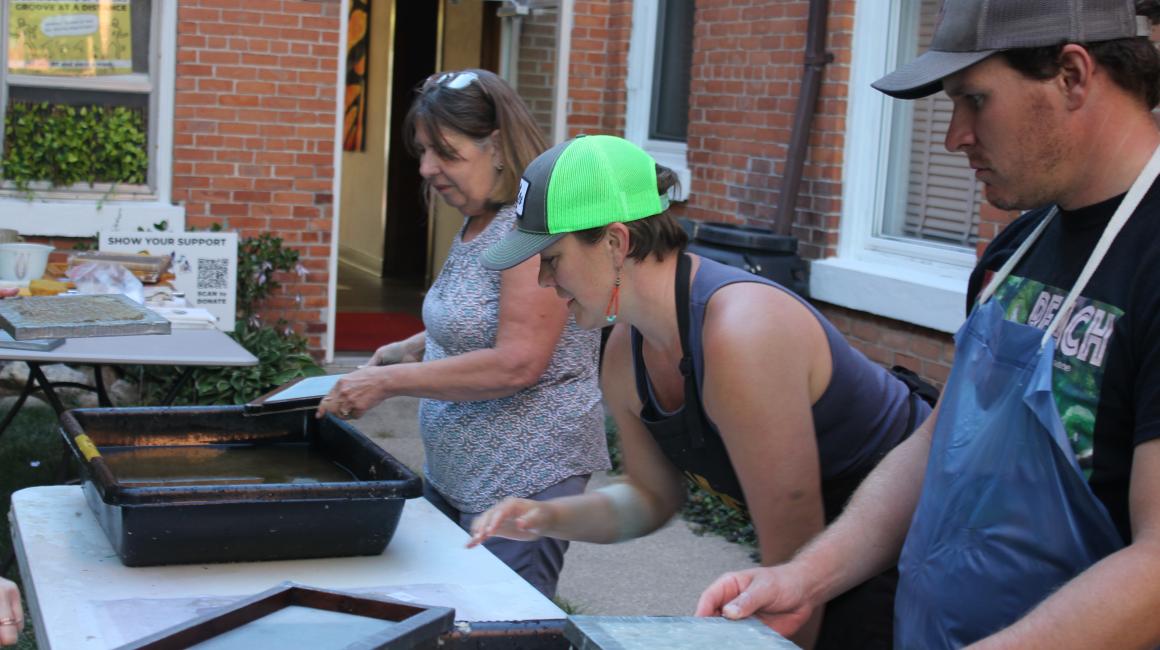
(479, 452)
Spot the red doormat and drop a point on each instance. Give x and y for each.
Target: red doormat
(366, 331)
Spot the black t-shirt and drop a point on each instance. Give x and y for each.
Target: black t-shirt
(1107, 362)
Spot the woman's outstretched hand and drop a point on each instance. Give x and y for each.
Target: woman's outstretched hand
(392, 353)
(519, 519)
(356, 393)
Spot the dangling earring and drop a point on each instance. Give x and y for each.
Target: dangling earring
(613, 308)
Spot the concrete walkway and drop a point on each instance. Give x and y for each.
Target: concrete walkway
(662, 574)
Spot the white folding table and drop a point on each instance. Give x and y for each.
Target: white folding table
(81, 596)
(188, 348)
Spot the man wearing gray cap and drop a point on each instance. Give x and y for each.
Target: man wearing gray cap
(1025, 512)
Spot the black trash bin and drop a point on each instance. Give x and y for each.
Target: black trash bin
(757, 250)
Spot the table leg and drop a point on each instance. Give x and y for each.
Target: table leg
(171, 394)
(99, 380)
(37, 381)
(29, 387)
(34, 371)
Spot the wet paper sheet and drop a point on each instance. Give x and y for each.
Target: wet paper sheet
(300, 394)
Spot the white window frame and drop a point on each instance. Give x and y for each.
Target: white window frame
(84, 212)
(638, 102)
(907, 280)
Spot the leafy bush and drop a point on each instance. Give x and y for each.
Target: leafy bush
(708, 515)
(65, 145)
(258, 259)
(613, 437)
(281, 357)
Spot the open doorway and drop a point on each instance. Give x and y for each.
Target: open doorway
(405, 243)
(390, 247)
(379, 305)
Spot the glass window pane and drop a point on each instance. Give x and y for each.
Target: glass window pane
(66, 38)
(669, 119)
(933, 195)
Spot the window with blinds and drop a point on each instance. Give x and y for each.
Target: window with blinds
(939, 197)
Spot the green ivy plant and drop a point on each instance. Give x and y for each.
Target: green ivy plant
(281, 356)
(66, 145)
(707, 514)
(282, 353)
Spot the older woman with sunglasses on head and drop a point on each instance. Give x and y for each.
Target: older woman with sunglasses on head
(511, 402)
(712, 375)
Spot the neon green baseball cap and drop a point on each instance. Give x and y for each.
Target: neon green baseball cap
(586, 182)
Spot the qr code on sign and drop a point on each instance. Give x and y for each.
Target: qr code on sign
(213, 273)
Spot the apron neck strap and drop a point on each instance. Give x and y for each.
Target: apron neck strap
(1131, 201)
(1007, 267)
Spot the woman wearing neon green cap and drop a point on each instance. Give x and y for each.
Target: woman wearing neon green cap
(713, 375)
(511, 403)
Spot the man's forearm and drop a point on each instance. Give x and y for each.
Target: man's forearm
(1111, 605)
(867, 538)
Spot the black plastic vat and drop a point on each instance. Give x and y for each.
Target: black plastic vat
(182, 524)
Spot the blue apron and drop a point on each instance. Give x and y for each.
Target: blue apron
(1005, 517)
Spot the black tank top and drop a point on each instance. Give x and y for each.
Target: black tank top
(863, 413)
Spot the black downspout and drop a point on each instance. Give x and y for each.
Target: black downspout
(816, 59)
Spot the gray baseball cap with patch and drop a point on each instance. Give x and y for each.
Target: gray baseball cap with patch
(583, 183)
(969, 31)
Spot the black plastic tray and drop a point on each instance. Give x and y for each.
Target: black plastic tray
(182, 524)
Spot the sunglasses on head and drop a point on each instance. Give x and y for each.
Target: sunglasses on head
(456, 80)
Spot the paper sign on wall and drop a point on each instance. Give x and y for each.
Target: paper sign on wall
(205, 265)
(66, 37)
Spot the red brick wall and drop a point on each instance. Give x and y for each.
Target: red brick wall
(991, 221)
(747, 67)
(536, 69)
(254, 132)
(598, 66)
(890, 342)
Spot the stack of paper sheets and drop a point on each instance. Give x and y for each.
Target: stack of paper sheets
(38, 345)
(187, 317)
